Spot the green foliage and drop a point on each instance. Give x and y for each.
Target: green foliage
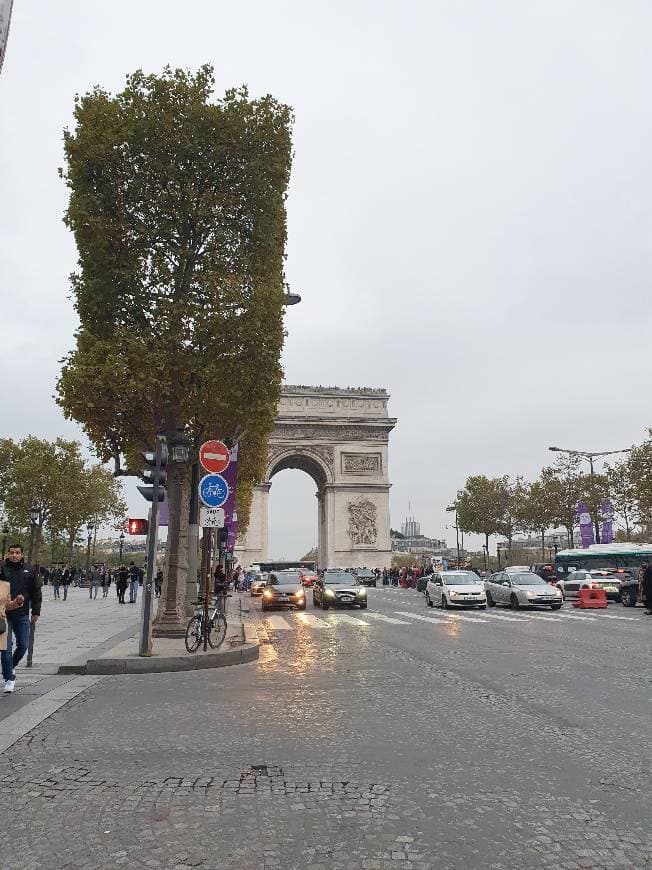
(53, 476)
(480, 505)
(177, 205)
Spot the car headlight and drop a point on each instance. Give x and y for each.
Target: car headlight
(299, 594)
(267, 594)
(453, 594)
(531, 594)
(329, 593)
(362, 593)
(558, 593)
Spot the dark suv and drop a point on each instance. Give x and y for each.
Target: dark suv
(365, 577)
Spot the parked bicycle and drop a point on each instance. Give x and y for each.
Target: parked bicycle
(215, 628)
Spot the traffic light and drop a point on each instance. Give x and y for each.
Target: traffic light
(147, 474)
(137, 526)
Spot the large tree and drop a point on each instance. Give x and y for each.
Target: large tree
(623, 492)
(177, 204)
(480, 506)
(562, 484)
(537, 511)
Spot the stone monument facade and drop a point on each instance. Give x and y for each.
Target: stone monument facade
(340, 438)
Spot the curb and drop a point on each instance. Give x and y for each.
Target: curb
(168, 664)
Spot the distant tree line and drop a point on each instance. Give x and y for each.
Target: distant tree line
(507, 506)
(65, 491)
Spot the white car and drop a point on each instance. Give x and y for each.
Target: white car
(523, 589)
(455, 589)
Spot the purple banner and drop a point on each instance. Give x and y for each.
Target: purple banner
(230, 474)
(586, 525)
(232, 534)
(607, 531)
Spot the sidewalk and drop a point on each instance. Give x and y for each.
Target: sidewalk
(170, 654)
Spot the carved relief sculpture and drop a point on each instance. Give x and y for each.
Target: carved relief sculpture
(361, 463)
(362, 522)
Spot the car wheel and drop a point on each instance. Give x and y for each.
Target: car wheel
(513, 602)
(444, 602)
(324, 605)
(555, 606)
(483, 607)
(627, 598)
(429, 601)
(490, 600)
(302, 606)
(363, 606)
(374, 584)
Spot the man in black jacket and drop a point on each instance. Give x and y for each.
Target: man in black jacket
(22, 579)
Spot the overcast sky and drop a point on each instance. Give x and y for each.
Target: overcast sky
(469, 216)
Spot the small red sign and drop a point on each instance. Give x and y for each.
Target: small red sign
(214, 456)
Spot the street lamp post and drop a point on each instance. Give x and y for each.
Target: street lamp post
(89, 528)
(122, 543)
(5, 535)
(485, 553)
(590, 456)
(452, 508)
(33, 518)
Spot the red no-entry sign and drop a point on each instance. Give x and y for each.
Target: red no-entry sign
(214, 456)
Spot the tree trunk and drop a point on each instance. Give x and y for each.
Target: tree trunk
(569, 535)
(71, 547)
(543, 545)
(626, 518)
(170, 618)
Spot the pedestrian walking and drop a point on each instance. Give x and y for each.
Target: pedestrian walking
(106, 582)
(95, 578)
(22, 582)
(646, 587)
(121, 583)
(221, 583)
(158, 583)
(66, 579)
(7, 603)
(56, 582)
(134, 576)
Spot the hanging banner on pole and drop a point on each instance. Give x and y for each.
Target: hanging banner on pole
(586, 524)
(607, 531)
(231, 477)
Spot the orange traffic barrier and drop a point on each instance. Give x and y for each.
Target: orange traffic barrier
(591, 598)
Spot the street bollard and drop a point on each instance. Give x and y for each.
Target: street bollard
(30, 647)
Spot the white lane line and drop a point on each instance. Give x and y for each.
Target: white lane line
(343, 617)
(441, 616)
(277, 623)
(491, 615)
(613, 616)
(310, 620)
(373, 614)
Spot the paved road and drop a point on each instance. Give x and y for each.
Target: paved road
(393, 737)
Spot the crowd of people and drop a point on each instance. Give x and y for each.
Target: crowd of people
(125, 578)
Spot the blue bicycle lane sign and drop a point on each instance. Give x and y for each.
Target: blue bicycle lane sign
(213, 490)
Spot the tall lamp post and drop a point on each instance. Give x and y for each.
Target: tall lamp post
(590, 456)
(33, 518)
(122, 543)
(5, 535)
(452, 508)
(485, 553)
(89, 528)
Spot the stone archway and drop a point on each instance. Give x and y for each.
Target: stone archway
(340, 438)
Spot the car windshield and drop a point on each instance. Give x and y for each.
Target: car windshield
(285, 579)
(527, 580)
(462, 579)
(365, 573)
(342, 579)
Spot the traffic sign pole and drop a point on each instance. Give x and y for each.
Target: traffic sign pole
(145, 645)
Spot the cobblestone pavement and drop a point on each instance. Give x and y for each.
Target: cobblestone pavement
(383, 742)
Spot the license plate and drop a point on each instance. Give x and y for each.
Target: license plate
(346, 598)
(610, 588)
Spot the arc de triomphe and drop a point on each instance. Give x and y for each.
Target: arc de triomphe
(340, 438)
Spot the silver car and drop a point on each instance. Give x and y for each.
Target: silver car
(521, 590)
(455, 589)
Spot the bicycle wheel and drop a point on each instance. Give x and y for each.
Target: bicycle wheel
(217, 631)
(193, 634)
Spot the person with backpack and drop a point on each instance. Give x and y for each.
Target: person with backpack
(121, 583)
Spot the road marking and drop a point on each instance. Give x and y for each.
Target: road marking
(375, 615)
(310, 620)
(344, 617)
(492, 615)
(440, 616)
(277, 623)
